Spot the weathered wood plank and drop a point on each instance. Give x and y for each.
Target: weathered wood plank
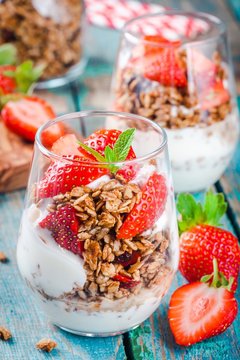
(20, 313)
(153, 339)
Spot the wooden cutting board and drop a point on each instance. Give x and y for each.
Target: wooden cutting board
(15, 160)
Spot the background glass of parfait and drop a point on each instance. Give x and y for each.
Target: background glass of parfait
(98, 248)
(182, 80)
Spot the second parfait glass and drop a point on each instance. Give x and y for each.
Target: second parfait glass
(98, 243)
(174, 68)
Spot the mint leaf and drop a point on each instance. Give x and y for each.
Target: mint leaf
(25, 75)
(8, 54)
(191, 212)
(96, 154)
(122, 146)
(110, 157)
(214, 208)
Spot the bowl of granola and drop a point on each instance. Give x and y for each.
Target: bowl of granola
(47, 32)
(98, 243)
(182, 80)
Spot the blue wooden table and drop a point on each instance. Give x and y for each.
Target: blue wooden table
(153, 339)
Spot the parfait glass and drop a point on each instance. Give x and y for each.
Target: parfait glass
(98, 243)
(175, 69)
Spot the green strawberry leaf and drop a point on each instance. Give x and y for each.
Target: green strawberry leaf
(193, 213)
(8, 54)
(25, 75)
(122, 146)
(214, 208)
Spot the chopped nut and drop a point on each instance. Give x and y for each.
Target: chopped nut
(3, 257)
(5, 334)
(46, 345)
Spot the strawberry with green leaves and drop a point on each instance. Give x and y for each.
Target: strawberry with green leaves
(112, 146)
(89, 165)
(201, 238)
(202, 309)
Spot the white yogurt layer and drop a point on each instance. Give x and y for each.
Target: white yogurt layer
(43, 262)
(199, 155)
(53, 271)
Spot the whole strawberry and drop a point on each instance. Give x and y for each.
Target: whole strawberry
(200, 310)
(201, 239)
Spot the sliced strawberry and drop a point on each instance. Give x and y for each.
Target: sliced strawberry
(214, 96)
(128, 172)
(26, 115)
(158, 40)
(63, 225)
(127, 259)
(126, 281)
(66, 145)
(160, 62)
(165, 68)
(203, 309)
(61, 177)
(147, 211)
(102, 138)
(203, 69)
(7, 84)
(197, 312)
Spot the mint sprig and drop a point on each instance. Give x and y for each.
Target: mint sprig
(193, 213)
(118, 153)
(8, 54)
(25, 75)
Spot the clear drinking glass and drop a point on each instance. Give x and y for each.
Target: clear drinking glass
(99, 250)
(175, 69)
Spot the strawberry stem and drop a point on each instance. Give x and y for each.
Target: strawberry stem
(218, 278)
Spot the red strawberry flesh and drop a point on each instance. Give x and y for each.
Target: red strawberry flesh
(147, 211)
(7, 84)
(197, 312)
(126, 281)
(202, 243)
(61, 177)
(63, 225)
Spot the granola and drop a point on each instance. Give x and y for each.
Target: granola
(46, 345)
(48, 36)
(171, 107)
(3, 257)
(5, 334)
(106, 259)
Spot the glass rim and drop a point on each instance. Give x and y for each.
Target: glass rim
(217, 23)
(98, 113)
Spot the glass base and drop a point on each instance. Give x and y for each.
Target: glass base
(88, 334)
(70, 76)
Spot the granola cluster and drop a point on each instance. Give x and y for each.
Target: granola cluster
(48, 36)
(101, 212)
(171, 107)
